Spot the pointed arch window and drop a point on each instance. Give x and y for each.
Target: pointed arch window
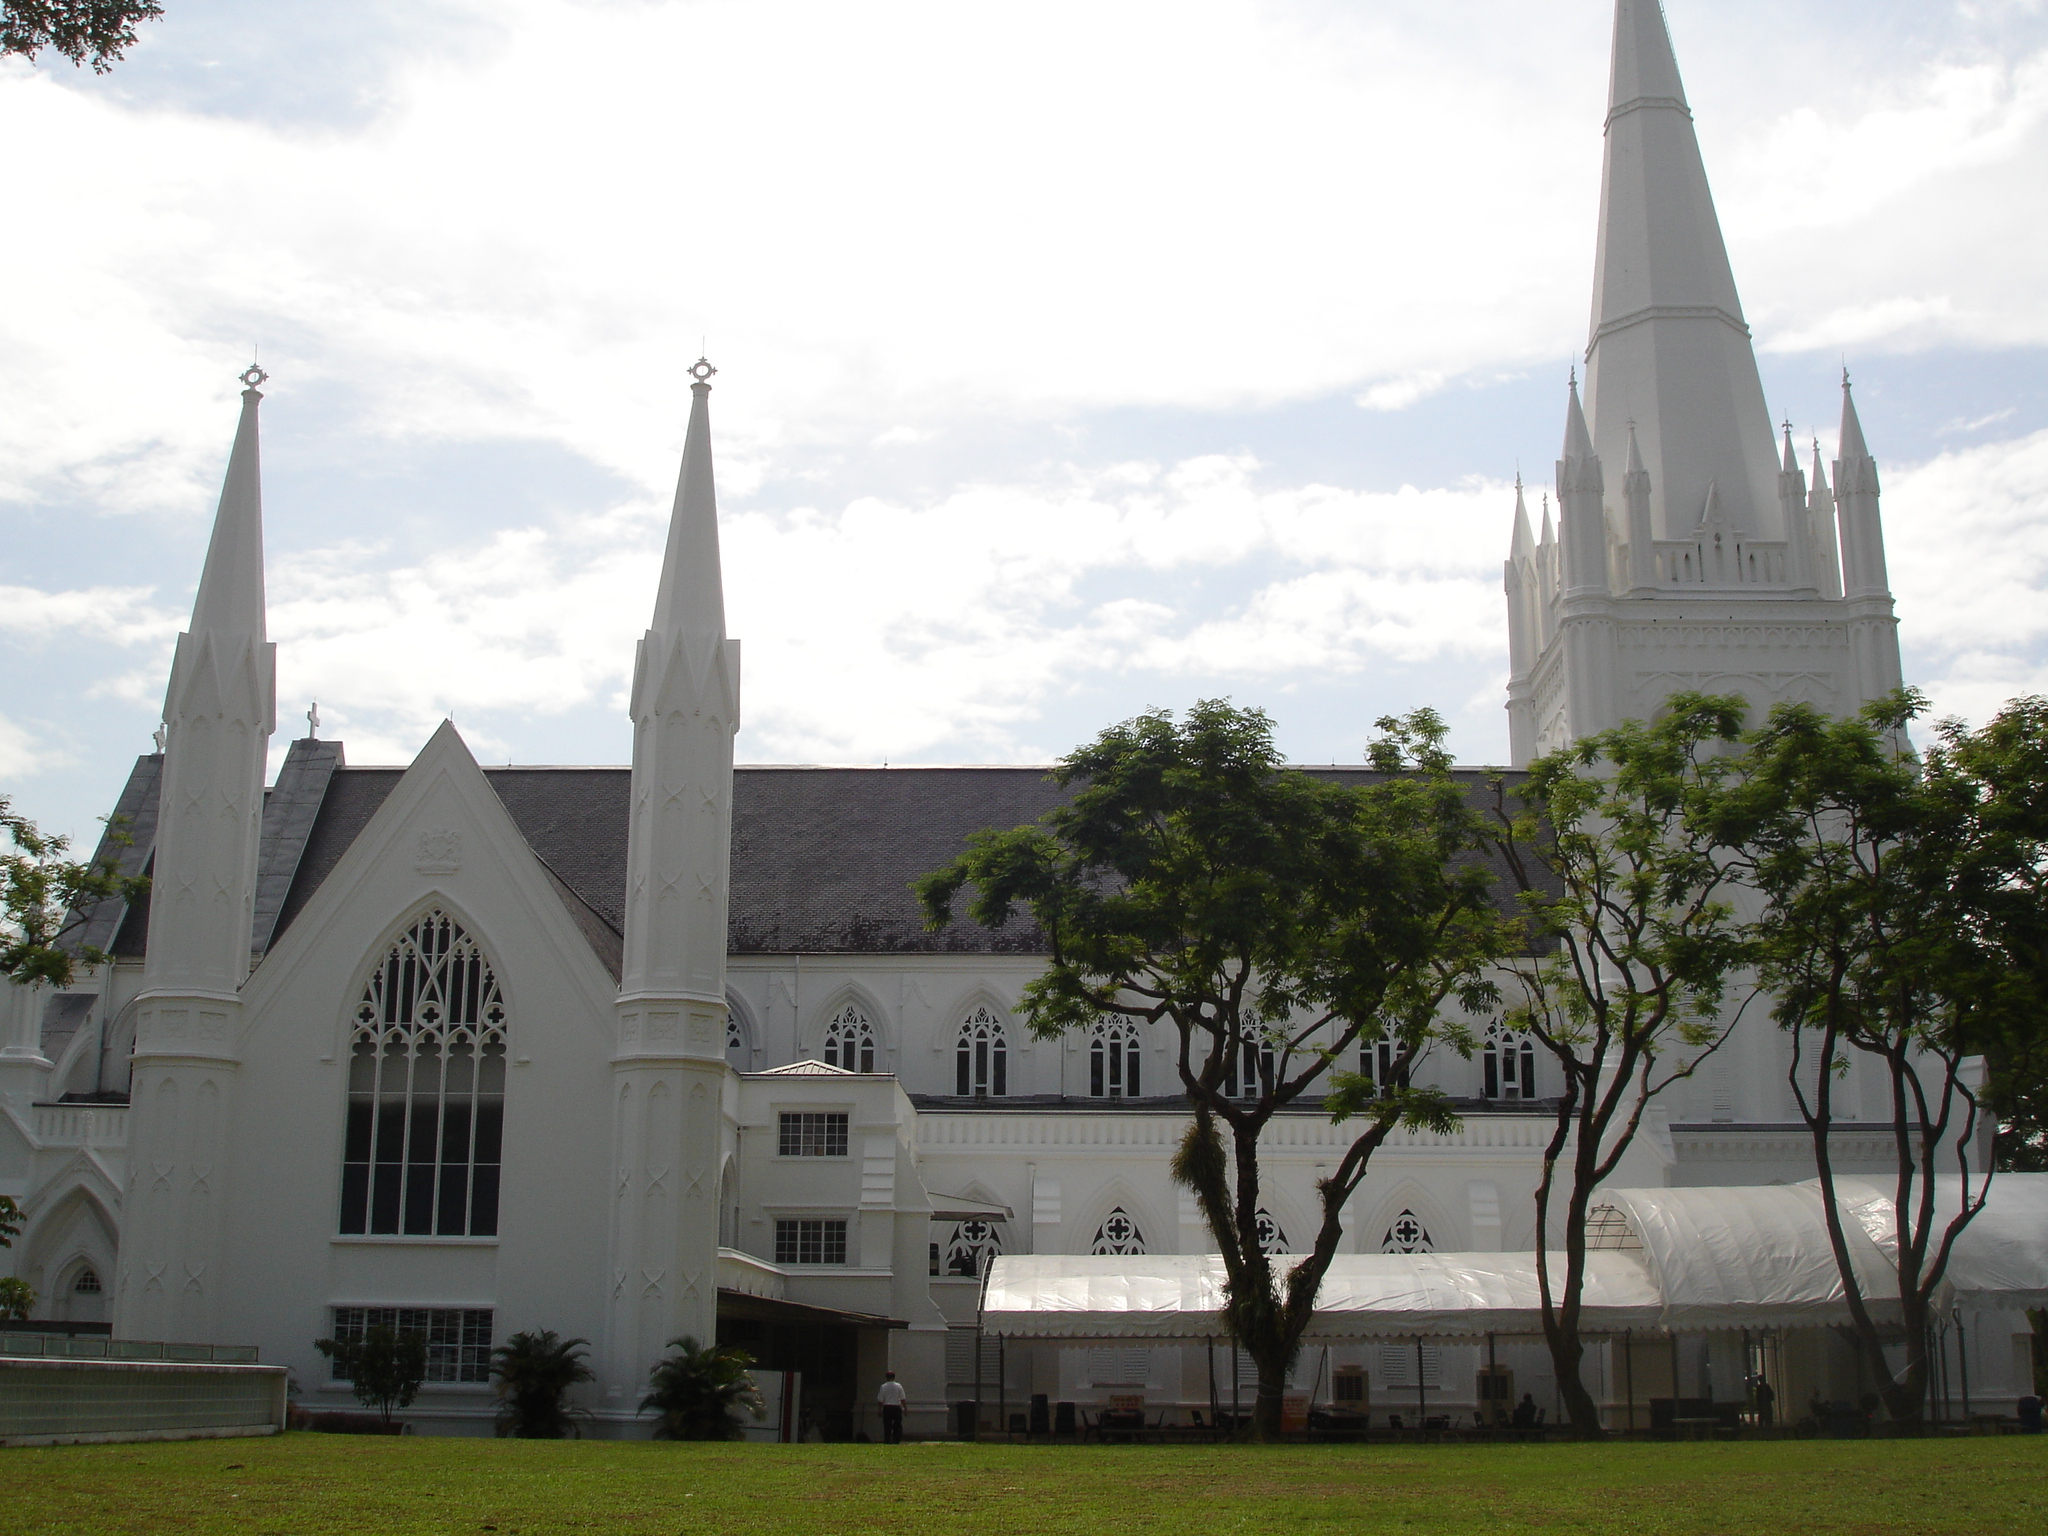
(426, 1090)
(1376, 1064)
(974, 1245)
(1118, 1234)
(850, 1040)
(1113, 1062)
(981, 1057)
(1407, 1235)
(1247, 1070)
(736, 1050)
(1510, 1065)
(87, 1283)
(1272, 1236)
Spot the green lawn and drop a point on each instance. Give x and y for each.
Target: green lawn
(355, 1484)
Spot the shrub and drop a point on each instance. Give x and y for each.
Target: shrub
(384, 1366)
(700, 1393)
(533, 1373)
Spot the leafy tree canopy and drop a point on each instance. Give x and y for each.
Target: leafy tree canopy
(44, 896)
(1270, 920)
(95, 32)
(385, 1366)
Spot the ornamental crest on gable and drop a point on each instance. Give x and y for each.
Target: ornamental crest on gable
(439, 852)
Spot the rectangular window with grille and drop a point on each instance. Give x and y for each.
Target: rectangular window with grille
(458, 1338)
(809, 1134)
(810, 1240)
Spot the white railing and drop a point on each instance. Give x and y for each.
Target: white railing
(82, 1125)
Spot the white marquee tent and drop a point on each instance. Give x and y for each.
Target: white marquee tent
(1686, 1260)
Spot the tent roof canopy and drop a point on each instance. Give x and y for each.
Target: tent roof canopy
(1751, 1256)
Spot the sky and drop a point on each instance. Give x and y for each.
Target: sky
(1075, 359)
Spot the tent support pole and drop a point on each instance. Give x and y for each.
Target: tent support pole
(1421, 1406)
(1628, 1361)
(1212, 1381)
(1963, 1362)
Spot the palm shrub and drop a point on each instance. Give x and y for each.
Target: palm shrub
(700, 1393)
(533, 1373)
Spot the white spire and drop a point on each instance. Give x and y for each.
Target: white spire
(219, 709)
(1820, 519)
(685, 708)
(1582, 515)
(1668, 346)
(1856, 499)
(1521, 546)
(1642, 537)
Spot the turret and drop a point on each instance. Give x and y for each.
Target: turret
(1799, 561)
(1519, 582)
(1856, 493)
(669, 1065)
(1582, 514)
(1820, 523)
(1642, 538)
(218, 715)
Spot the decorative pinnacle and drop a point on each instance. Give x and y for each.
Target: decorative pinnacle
(252, 377)
(701, 371)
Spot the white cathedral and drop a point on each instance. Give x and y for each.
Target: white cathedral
(634, 1053)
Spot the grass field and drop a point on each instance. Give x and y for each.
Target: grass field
(304, 1483)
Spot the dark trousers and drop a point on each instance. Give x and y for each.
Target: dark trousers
(892, 1425)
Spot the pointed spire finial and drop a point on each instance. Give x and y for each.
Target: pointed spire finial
(161, 736)
(254, 377)
(313, 721)
(701, 372)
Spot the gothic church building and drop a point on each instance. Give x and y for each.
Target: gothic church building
(641, 1052)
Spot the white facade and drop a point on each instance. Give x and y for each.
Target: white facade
(631, 1055)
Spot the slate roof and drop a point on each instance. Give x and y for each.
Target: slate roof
(822, 858)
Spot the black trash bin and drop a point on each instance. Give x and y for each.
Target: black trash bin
(1063, 1418)
(963, 1420)
(1041, 1414)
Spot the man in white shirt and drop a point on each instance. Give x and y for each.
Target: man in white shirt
(891, 1398)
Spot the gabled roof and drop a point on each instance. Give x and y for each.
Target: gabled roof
(822, 858)
(806, 1068)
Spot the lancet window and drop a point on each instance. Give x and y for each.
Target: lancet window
(1376, 1060)
(981, 1058)
(1247, 1069)
(426, 1090)
(735, 1043)
(1509, 1061)
(974, 1245)
(1113, 1062)
(1118, 1234)
(850, 1040)
(1407, 1235)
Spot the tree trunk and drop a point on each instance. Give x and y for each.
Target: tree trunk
(1266, 1407)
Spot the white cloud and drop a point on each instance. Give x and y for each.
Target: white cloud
(1967, 545)
(24, 753)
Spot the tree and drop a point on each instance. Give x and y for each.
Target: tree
(1630, 943)
(10, 1221)
(533, 1373)
(1272, 920)
(98, 32)
(700, 1393)
(385, 1366)
(44, 897)
(17, 1298)
(1901, 925)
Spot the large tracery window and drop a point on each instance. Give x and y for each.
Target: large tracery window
(981, 1060)
(850, 1041)
(1113, 1062)
(1376, 1060)
(426, 1090)
(1118, 1234)
(1510, 1063)
(1272, 1236)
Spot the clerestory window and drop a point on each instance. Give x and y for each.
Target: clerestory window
(426, 1090)
(981, 1057)
(975, 1244)
(1376, 1060)
(1407, 1234)
(1510, 1065)
(850, 1041)
(1247, 1069)
(1113, 1062)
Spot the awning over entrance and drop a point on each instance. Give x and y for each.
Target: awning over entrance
(769, 1309)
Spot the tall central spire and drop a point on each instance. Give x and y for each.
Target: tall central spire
(1668, 346)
